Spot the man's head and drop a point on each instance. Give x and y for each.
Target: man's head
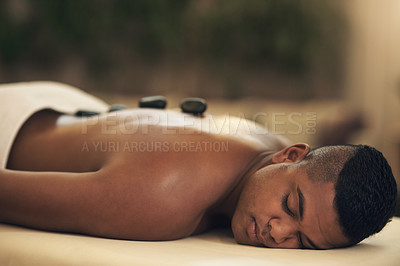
(325, 198)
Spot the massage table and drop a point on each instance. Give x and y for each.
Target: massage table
(22, 246)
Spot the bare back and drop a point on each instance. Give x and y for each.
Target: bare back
(134, 174)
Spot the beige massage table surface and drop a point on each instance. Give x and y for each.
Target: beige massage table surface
(21, 246)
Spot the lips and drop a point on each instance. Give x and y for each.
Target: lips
(258, 236)
(253, 232)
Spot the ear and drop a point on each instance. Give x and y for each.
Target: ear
(291, 154)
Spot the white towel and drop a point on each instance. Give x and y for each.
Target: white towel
(19, 101)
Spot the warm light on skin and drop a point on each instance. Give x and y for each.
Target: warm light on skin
(264, 199)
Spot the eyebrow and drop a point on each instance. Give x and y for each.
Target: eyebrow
(301, 212)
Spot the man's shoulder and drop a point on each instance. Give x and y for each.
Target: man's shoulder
(250, 131)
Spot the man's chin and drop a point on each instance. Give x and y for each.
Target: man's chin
(250, 244)
(243, 241)
(239, 239)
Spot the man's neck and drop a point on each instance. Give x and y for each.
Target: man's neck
(228, 204)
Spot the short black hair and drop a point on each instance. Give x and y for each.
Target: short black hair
(366, 193)
(365, 188)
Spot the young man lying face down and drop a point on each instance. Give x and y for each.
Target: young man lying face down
(148, 174)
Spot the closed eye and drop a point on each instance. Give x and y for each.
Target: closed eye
(285, 206)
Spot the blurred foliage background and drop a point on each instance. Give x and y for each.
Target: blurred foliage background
(211, 48)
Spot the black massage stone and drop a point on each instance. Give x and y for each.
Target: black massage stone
(158, 102)
(196, 106)
(116, 107)
(84, 113)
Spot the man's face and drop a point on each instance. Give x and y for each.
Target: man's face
(280, 207)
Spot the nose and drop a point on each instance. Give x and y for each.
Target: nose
(282, 230)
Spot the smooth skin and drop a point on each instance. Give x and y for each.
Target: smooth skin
(281, 207)
(142, 175)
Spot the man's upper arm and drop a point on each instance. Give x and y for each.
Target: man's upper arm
(47, 200)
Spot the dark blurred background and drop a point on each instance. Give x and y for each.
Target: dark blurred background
(214, 48)
(320, 71)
